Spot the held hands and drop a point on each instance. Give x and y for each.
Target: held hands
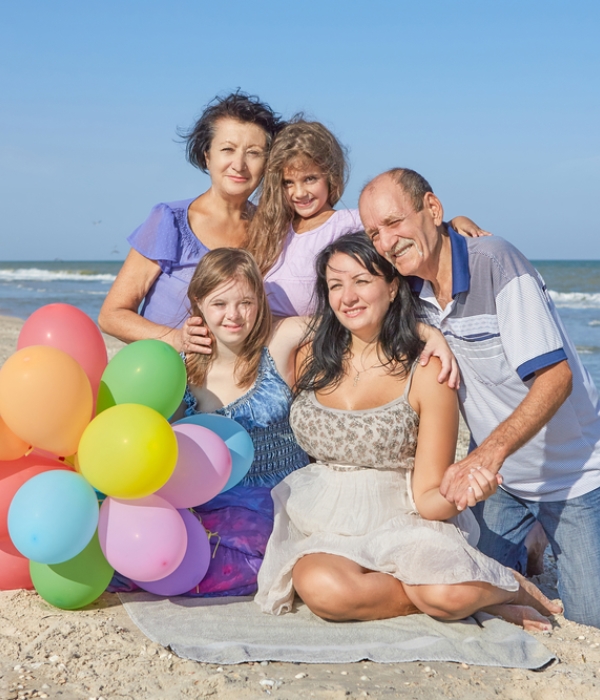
(194, 336)
(470, 481)
(436, 346)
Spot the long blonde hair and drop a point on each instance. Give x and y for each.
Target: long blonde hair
(298, 140)
(214, 269)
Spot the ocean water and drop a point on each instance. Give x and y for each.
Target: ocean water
(25, 286)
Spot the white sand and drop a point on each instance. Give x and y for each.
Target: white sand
(99, 653)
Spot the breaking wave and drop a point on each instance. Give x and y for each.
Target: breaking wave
(34, 274)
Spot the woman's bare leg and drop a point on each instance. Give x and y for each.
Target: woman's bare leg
(527, 606)
(337, 588)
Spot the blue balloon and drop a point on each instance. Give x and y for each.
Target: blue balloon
(234, 436)
(53, 517)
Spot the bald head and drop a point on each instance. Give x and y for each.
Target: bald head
(415, 186)
(404, 220)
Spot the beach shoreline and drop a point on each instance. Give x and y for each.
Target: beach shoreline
(98, 652)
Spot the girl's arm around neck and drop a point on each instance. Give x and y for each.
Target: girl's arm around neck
(437, 407)
(285, 339)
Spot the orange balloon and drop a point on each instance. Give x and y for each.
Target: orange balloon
(45, 398)
(11, 446)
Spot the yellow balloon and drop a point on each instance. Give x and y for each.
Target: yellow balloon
(128, 451)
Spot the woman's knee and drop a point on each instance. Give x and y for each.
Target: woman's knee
(326, 591)
(444, 602)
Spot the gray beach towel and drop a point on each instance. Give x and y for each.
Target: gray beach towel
(234, 630)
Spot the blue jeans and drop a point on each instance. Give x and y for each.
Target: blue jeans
(573, 529)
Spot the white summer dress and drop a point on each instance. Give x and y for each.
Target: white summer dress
(356, 502)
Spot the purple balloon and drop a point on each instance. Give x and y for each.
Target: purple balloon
(202, 470)
(194, 566)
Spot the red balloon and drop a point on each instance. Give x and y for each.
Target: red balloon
(67, 328)
(14, 568)
(14, 474)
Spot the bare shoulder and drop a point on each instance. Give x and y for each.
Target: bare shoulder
(426, 391)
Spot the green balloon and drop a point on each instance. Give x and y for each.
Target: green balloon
(148, 372)
(74, 583)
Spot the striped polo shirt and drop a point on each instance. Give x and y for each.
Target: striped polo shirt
(502, 327)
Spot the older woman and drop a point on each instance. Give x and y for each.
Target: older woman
(230, 142)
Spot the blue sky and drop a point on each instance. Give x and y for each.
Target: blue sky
(496, 103)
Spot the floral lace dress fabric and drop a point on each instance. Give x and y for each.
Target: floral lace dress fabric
(356, 502)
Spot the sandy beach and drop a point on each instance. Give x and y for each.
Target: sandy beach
(99, 653)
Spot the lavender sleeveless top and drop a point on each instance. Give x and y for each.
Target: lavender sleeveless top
(167, 238)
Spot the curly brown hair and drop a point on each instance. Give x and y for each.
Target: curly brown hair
(298, 140)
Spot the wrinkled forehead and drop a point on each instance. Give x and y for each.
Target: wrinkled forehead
(381, 200)
(238, 132)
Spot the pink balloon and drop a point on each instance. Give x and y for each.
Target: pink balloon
(145, 539)
(203, 467)
(67, 328)
(194, 566)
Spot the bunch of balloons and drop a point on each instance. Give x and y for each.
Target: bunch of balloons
(74, 426)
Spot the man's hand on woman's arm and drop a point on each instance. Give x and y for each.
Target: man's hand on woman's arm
(551, 387)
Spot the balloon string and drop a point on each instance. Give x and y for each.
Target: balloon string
(211, 535)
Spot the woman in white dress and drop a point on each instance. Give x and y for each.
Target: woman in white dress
(364, 532)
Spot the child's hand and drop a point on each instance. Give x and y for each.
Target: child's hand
(194, 336)
(467, 227)
(436, 346)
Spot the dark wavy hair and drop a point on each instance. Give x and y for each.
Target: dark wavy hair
(237, 105)
(398, 345)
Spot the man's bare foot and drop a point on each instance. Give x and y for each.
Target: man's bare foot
(530, 595)
(523, 615)
(536, 543)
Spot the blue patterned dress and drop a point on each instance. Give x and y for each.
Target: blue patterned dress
(239, 521)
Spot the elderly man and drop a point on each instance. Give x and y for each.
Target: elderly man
(531, 407)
